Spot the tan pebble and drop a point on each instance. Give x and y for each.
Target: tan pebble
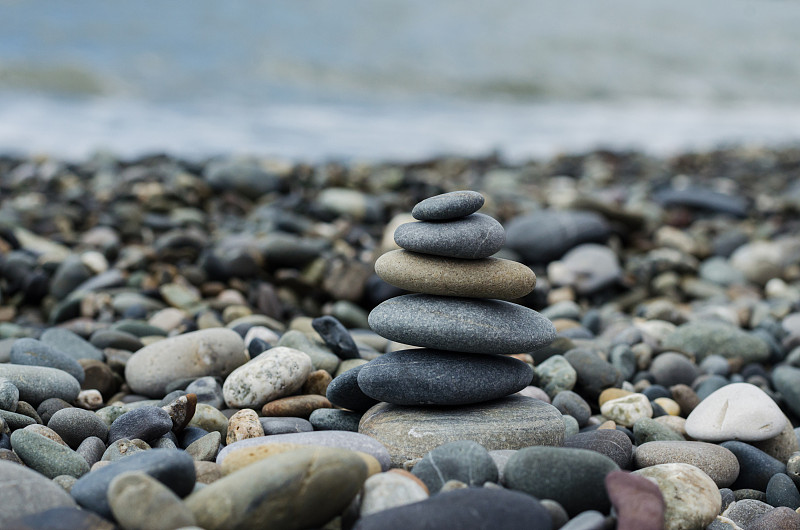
(207, 472)
(670, 406)
(296, 406)
(151, 339)
(232, 312)
(239, 458)
(89, 399)
(317, 382)
(611, 393)
(242, 425)
(607, 425)
(100, 464)
(563, 324)
(561, 294)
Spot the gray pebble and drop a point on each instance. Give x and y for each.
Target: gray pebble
(75, 425)
(31, 352)
(447, 206)
(464, 460)
(145, 423)
(335, 420)
(472, 237)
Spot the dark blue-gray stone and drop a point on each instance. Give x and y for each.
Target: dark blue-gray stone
(27, 492)
(575, 478)
(145, 423)
(787, 381)
(112, 338)
(434, 377)
(609, 442)
(461, 324)
(446, 206)
(336, 337)
(208, 391)
(572, 404)
(69, 275)
(343, 391)
(756, 467)
(703, 199)
(670, 368)
(473, 508)
(31, 352)
(782, 491)
(50, 406)
(649, 430)
(593, 373)
(335, 420)
(283, 425)
(464, 460)
(91, 449)
(37, 383)
(72, 344)
(74, 425)
(546, 235)
(189, 435)
(16, 421)
(173, 467)
(472, 237)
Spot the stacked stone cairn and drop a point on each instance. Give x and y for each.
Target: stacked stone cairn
(455, 385)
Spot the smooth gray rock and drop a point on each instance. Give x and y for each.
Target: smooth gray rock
(27, 492)
(433, 377)
(208, 391)
(546, 235)
(72, 344)
(609, 442)
(715, 461)
(284, 425)
(472, 237)
(335, 420)
(756, 467)
(91, 449)
(37, 383)
(74, 425)
(593, 373)
(461, 324)
(9, 395)
(343, 391)
(336, 337)
(447, 206)
(139, 501)
(46, 456)
(787, 381)
(704, 338)
(31, 352)
(568, 402)
(511, 422)
(463, 460)
(782, 491)
(670, 368)
(145, 423)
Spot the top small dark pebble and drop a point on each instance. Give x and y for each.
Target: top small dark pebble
(453, 205)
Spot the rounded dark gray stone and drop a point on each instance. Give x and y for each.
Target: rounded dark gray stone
(787, 381)
(756, 467)
(69, 275)
(72, 344)
(464, 460)
(283, 425)
(593, 373)
(91, 449)
(572, 477)
(446, 206)
(47, 456)
(461, 324)
(38, 383)
(433, 377)
(782, 491)
(474, 508)
(27, 492)
(172, 467)
(16, 421)
(336, 337)
(472, 237)
(703, 199)
(74, 425)
(546, 235)
(112, 338)
(145, 423)
(208, 391)
(335, 420)
(572, 404)
(32, 352)
(745, 511)
(343, 391)
(670, 368)
(9, 395)
(609, 442)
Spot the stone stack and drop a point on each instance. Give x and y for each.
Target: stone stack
(464, 331)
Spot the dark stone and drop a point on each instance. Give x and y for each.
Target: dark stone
(145, 423)
(343, 391)
(703, 199)
(283, 425)
(782, 491)
(609, 442)
(415, 377)
(465, 461)
(787, 381)
(594, 374)
(572, 404)
(782, 518)
(31, 352)
(91, 449)
(756, 467)
(649, 430)
(74, 425)
(189, 435)
(335, 420)
(112, 338)
(447, 206)
(546, 235)
(336, 337)
(208, 391)
(61, 519)
(48, 407)
(472, 237)
(71, 343)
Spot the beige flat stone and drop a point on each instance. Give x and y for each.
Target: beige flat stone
(245, 456)
(473, 278)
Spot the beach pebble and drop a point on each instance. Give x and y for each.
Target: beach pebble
(627, 410)
(301, 406)
(670, 368)
(276, 373)
(279, 425)
(555, 375)
(546, 235)
(446, 323)
(738, 411)
(570, 403)
(587, 268)
(572, 477)
(593, 373)
(32, 352)
(61, 519)
(242, 425)
(787, 381)
(691, 498)
(463, 460)
(472, 237)
(609, 442)
(745, 511)
(181, 410)
(208, 391)
(317, 382)
(310, 485)
(637, 501)
(511, 422)
(139, 501)
(782, 491)
(205, 448)
(9, 395)
(27, 492)
(389, 490)
(782, 518)
(74, 425)
(756, 467)
(321, 357)
(123, 448)
(38, 383)
(47, 456)
(336, 337)
(703, 338)
(91, 449)
(717, 462)
(414, 377)
(330, 419)
(343, 391)
(472, 278)
(448, 206)
(464, 508)
(210, 352)
(649, 430)
(210, 419)
(145, 423)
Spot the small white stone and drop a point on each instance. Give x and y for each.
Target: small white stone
(389, 490)
(627, 409)
(739, 411)
(89, 399)
(691, 498)
(275, 373)
(95, 261)
(261, 332)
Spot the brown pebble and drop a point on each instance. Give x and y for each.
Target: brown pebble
(670, 406)
(607, 425)
(181, 410)
(25, 408)
(242, 425)
(7, 455)
(685, 397)
(611, 393)
(317, 382)
(98, 376)
(296, 406)
(637, 500)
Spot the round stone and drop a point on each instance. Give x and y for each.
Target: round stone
(448, 206)
(739, 411)
(242, 425)
(335, 420)
(32, 352)
(461, 324)
(512, 422)
(471, 278)
(472, 237)
(787, 381)
(9, 395)
(74, 425)
(572, 477)
(47, 456)
(72, 344)
(593, 373)
(209, 352)
(703, 338)
(343, 391)
(144, 423)
(756, 467)
(546, 235)
(463, 460)
(649, 430)
(433, 377)
(138, 500)
(692, 500)
(555, 375)
(275, 373)
(38, 383)
(715, 461)
(568, 402)
(301, 406)
(670, 368)
(626, 410)
(609, 442)
(278, 425)
(782, 491)
(587, 268)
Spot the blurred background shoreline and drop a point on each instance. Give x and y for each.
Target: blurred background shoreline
(396, 81)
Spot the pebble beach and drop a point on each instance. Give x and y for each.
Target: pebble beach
(606, 340)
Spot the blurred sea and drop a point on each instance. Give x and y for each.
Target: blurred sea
(396, 79)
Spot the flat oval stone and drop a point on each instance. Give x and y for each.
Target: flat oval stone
(46, 456)
(414, 377)
(208, 352)
(343, 391)
(739, 411)
(782, 491)
(27, 492)
(447, 206)
(275, 373)
(464, 508)
(138, 500)
(511, 422)
(470, 278)
(74, 425)
(144, 423)
(38, 383)
(713, 338)
(302, 489)
(172, 467)
(692, 500)
(715, 461)
(637, 501)
(335, 420)
(9, 395)
(756, 467)
(546, 235)
(280, 425)
(72, 344)
(572, 477)
(301, 406)
(32, 352)
(609, 442)
(461, 324)
(472, 237)
(464, 460)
